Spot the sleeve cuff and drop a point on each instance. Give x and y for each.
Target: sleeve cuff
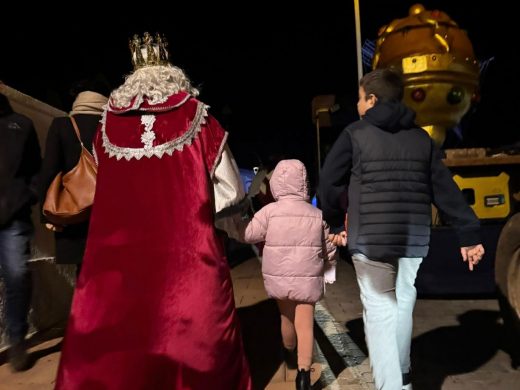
(330, 274)
(469, 238)
(337, 229)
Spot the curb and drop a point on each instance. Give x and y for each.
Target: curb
(350, 363)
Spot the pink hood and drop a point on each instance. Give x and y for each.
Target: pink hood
(289, 181)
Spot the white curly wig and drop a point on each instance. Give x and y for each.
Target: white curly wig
(156, 83)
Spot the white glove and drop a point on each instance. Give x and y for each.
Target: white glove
(329, 276)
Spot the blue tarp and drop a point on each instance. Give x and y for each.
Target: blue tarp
(247, 176)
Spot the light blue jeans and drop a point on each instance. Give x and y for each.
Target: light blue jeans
(388, 295)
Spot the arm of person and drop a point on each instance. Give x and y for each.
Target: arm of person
(334, 179)
(52, 163)
(33, 160)
(448, 198)
(229, 195)
(256, 230)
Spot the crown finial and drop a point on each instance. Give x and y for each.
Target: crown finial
(163, 47)
(148, 51)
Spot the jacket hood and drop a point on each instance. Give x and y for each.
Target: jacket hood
(289, 181)
(391, 116)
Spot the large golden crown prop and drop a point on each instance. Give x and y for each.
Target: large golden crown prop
(148, 51)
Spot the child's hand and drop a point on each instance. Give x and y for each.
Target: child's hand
(472, 254)
(338, 239)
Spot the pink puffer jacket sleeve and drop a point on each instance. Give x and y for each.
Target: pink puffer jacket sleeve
(329, 249)
(256, 229)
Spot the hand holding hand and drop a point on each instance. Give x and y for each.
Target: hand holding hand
(339, 239)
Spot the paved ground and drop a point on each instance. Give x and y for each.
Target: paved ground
(41, 376)
(260, 326)
(457, 343)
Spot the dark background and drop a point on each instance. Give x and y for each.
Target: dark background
(257, 65)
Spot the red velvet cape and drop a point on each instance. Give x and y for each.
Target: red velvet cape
(153, 308)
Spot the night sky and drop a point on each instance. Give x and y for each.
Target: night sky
(258, 66)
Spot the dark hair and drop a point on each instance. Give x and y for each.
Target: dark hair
(386, 84)
(98, 84)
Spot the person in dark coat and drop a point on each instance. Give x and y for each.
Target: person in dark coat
(62, 153)
(20, 162)
(393, 172)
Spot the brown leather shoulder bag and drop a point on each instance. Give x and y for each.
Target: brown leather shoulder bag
(70, 196)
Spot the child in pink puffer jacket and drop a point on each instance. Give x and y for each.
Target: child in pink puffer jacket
(297, 259)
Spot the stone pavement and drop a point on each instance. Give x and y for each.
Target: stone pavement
(41, 375)
(457, 343)
(261, 330)
(343, 364)
(260, 327)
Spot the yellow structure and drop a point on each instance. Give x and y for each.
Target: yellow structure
(488, 196)
(438, 64)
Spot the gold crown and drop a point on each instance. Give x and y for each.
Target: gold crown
(148, 51)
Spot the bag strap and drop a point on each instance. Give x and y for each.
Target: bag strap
(76, 130)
